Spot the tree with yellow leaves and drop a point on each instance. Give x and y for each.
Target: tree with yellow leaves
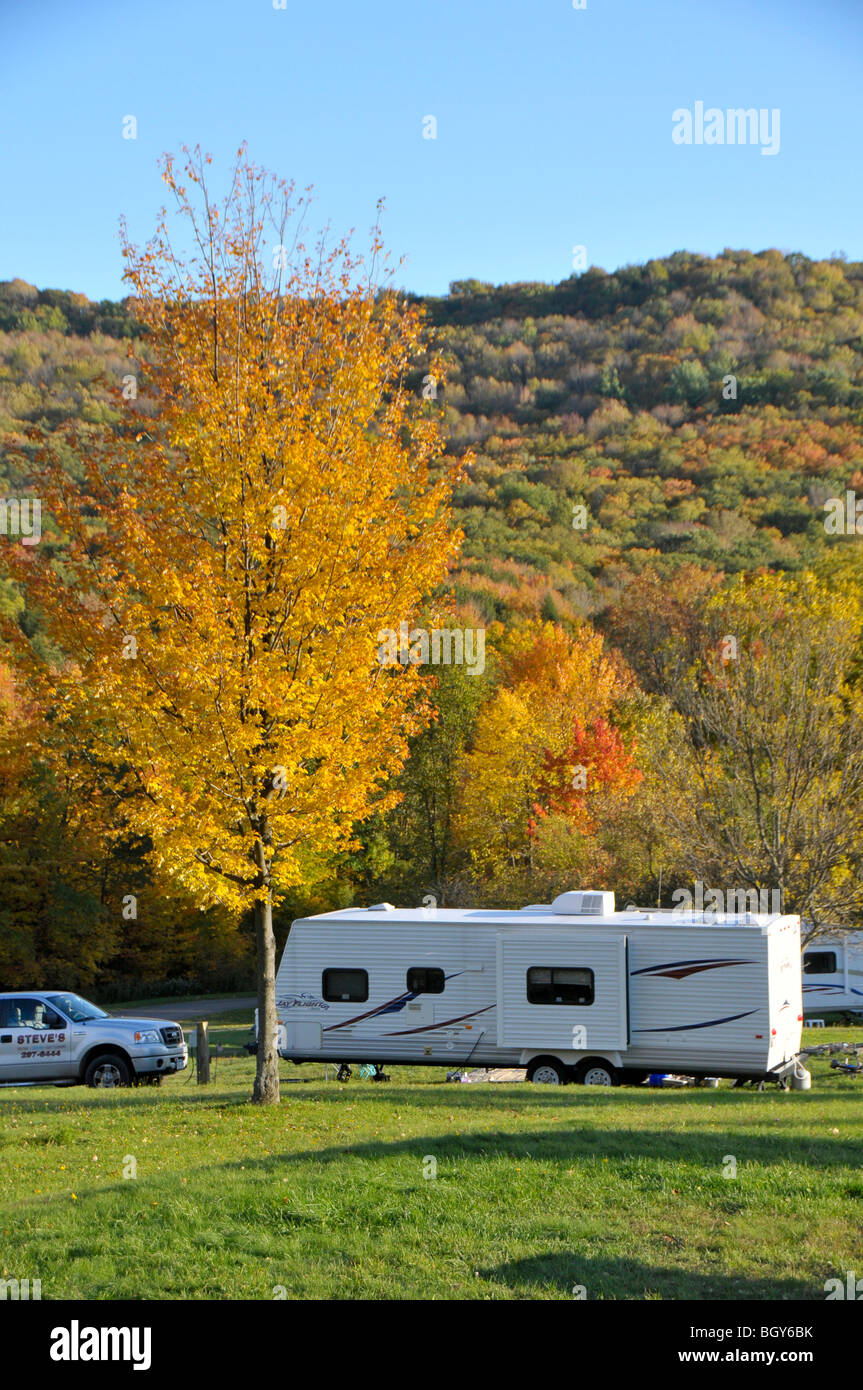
(229, 563)
(546, 767)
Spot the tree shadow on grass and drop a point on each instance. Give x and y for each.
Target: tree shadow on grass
(566, 1273)
(768, 1131)
(698, 1148)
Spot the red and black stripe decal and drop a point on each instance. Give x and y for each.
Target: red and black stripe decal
(679, 969)
(430, 1027)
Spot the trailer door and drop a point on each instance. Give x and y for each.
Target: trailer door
(566, 990)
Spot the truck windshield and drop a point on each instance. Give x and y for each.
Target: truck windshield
(78, 1009)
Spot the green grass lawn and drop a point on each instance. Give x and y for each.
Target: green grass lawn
(536, 1189)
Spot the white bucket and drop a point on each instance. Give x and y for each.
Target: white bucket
(801, 1079)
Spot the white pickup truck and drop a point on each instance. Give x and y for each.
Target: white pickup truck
(53, 1037)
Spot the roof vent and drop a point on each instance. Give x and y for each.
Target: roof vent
(583, 904)
(381, 907)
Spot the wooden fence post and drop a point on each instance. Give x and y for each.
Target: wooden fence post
(202, 1048)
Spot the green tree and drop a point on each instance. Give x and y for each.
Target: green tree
(767, 792)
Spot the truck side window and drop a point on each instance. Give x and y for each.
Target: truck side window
(24, 1013)
(819, 963)
(559, 985)
(340, 986)
(10, 1013)
(425, 979)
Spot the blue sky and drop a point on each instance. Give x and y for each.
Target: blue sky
(553, 126)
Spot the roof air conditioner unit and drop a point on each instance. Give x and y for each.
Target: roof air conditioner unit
(583, 904)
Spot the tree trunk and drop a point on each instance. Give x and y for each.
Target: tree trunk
(266, 1090)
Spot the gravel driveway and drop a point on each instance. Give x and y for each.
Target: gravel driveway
(187, 1008)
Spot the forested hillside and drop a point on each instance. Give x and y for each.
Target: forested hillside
(699, 410)
(645, 445)
(607, 391)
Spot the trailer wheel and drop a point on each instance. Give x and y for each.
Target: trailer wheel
(595, 1071)
(547, 1071)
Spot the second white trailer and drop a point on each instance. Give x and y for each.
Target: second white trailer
(833, 974)
(572, 991)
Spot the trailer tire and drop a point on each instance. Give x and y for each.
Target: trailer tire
(595, 1071)
(548, 1071)
(108, 1069)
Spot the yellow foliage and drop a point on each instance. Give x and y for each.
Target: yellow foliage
(550, 680)
(282, 501)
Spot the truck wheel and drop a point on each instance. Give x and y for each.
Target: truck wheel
(547, 1071)
(596, 1072)
(108, 1070)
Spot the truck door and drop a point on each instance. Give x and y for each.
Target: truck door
(34, 1041)
(8, 1043)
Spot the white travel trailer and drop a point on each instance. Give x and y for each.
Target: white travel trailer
(574, 991)
(833, 974)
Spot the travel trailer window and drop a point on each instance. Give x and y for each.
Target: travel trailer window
(425, 979)
(819, 963)
(559, 985)
(352, 986)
